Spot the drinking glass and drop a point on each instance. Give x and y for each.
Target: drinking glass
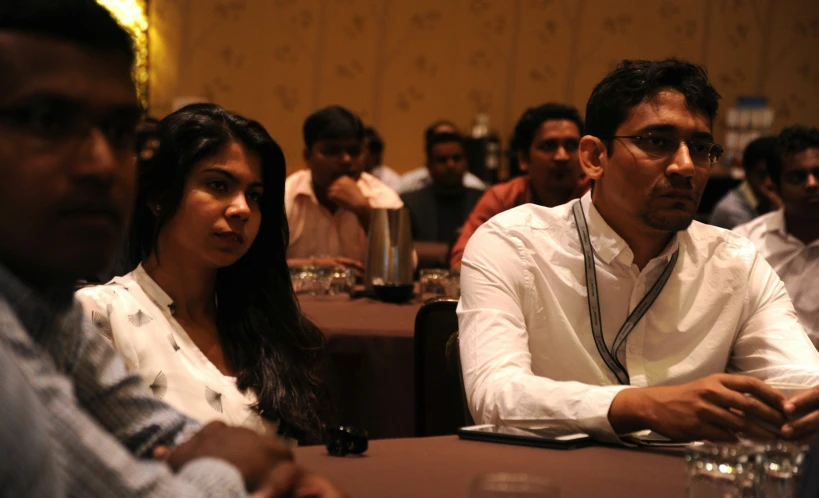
(339, 281)
(432, 283)
(513, 485)
(452, 284)
(307, 280)
(781, 463)
(721, 471)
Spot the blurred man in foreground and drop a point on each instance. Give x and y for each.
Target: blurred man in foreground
(68, 115)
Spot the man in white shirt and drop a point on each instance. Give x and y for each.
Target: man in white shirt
(329, 204)
(530, 354)
(789, 238)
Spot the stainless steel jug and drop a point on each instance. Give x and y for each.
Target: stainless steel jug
(388, 268)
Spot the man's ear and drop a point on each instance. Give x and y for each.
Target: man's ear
(523, 161)
(593, 156)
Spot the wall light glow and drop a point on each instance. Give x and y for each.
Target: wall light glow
(133, 16)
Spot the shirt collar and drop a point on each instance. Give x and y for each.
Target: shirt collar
(304, 187)
(152, 289)
(607, 243)
(775, 222)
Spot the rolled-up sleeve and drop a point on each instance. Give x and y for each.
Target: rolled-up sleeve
(497, 302)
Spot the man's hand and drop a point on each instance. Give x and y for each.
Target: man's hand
(345, 193)
(256, 457)
(714, 408)
(803, 412)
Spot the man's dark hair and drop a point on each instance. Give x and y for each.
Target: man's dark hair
(84, 22)
(375, 144)
(760, 149)
(433, 130)
(442, 138)
(632, 81)
(332, 123)
(792, 140)
(528, 124)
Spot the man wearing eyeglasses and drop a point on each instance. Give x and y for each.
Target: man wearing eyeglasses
(789, 238)
(617, 312)
(329, 204)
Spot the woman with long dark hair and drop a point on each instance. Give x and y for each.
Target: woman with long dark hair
(208, 316)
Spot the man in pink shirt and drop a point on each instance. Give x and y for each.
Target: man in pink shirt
(329, 204)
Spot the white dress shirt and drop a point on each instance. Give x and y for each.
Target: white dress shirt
(315, 231)
(795, 263)
(527, 349)
(134, 313)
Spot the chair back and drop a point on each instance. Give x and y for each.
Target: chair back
(440, 405)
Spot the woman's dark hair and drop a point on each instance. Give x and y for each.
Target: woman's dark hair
(330, 123)
(528, 124)
(273, 348)
(792, 140)
(634, 80)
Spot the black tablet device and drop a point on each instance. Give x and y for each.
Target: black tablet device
(542, 438)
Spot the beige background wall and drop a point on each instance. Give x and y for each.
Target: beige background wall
(404, 63)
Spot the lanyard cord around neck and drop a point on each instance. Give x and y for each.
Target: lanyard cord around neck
(610, 357)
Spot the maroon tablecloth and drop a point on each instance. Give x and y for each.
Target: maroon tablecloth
(370, 361)
(445, 466)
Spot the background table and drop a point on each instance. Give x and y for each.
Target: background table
(445, 466)
(370, 361)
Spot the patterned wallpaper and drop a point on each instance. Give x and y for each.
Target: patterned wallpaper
(403, 63)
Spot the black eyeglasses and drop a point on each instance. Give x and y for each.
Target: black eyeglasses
(657, 145)
(800, 176)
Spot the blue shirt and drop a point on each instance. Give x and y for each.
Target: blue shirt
(97, 424)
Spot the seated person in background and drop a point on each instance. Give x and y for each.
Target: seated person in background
(207, 315)
(544, 342)
(67, 126)
(329, 204)
(439, 209)
(374, 159)
(545, 141)
(755, 195)
(418, 178)
(789, 238)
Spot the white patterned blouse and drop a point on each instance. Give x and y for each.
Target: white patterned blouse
(136, 315)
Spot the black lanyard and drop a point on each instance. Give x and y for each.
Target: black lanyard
(610, 357)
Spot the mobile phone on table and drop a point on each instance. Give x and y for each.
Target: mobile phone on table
(547, 437)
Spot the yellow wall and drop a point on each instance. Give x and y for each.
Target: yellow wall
(404, 63)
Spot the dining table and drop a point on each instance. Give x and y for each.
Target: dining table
(369, 360)
(446, 467)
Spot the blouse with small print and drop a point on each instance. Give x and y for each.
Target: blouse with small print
(137, 316)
